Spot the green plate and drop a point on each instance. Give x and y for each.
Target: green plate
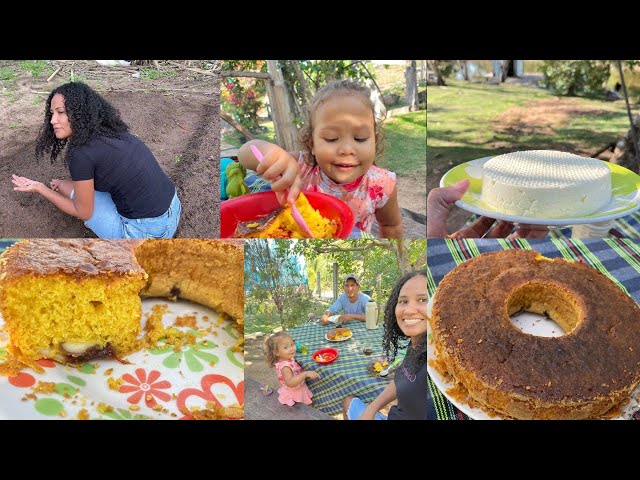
(625, 196)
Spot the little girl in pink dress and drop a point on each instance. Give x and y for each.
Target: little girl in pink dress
(342, 141)
(280, 350)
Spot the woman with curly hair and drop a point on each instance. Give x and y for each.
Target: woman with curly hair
(405, 316)
(117, 186)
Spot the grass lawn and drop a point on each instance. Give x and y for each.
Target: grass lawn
(468, 121)
(406, 146)
(259, 322)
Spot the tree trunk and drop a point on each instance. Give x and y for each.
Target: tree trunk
(624, 154)
(305, 93)
(286, 133)
(411, 85)
(436, 68)
(465, 70)
(505, 70)
(400, 251)
(421, 261)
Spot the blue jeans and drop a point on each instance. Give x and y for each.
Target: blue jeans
(106, 222)
(357, 407)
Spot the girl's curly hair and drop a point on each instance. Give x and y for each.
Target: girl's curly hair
(271, 347)
(89, 115)
(392, 333)
(338, 87)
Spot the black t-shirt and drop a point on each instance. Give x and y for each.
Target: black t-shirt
(411, 391)
(126, 168)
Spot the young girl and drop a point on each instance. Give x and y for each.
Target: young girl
(405, 316)
(341, 141)
(117, 186)
(280, 350)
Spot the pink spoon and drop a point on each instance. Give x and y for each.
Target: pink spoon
(294, 210)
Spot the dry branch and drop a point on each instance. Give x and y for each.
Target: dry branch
(233, 73)
(54, 74)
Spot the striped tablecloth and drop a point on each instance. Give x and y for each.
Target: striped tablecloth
(618, 259)
(348, 375)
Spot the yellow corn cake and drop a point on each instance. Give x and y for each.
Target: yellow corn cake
(208, 272)
(71, 299)
(282, 225)
(74, 300)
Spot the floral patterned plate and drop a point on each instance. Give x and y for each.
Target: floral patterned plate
(164, 382)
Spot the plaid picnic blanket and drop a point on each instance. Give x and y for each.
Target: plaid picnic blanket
(618, 259)
(348, 375)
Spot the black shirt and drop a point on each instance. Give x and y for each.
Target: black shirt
(126, 168)
(411, 391)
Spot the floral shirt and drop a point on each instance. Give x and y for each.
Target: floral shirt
(365, 195)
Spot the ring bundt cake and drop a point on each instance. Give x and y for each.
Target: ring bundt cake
(583, 374)
(74, 300)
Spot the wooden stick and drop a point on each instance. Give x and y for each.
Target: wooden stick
(232, 73)
(231, 121)
(191, 69)
(611, 146)
(54, 74)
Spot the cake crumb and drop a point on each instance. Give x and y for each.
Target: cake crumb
(134, 408)
(479, 341)
(108, 372)
(45, 387)
(114, 384)
(104, 408)
(83, 414)
(460, 340)
(186, 321)
(213, 412)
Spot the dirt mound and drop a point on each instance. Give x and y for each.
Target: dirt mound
(541, 117)
(182, 131)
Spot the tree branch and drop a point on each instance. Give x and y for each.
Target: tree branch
(371, 243)
(231, 73)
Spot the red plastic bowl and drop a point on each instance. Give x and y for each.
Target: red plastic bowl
(327, 352)
(256, 205)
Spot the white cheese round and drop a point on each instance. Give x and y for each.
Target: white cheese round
(545, 184)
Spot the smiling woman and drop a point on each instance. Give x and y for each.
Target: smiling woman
(405, 317)
(117, 186)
